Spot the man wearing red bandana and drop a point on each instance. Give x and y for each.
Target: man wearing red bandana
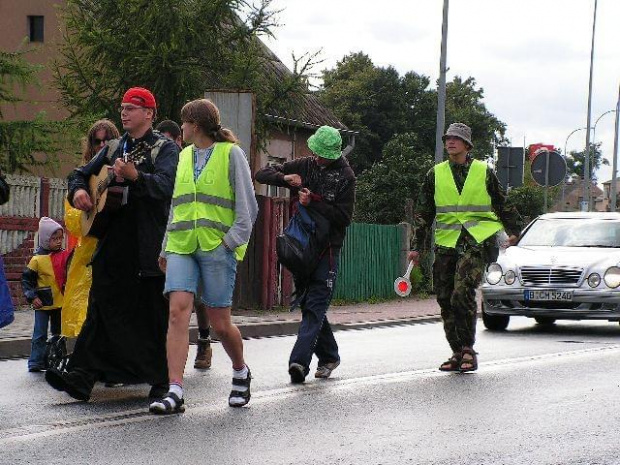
(123, 339)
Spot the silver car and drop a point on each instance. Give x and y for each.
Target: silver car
(565, 266)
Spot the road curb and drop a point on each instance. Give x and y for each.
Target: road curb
(19, 347)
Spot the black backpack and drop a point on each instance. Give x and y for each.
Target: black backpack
(303, 242)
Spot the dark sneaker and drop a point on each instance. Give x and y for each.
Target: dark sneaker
(36, 369)
(203, 354)
(61, 381)
(238, 397)
(297, 372)
(113, 385)
(325, 370)
(158, 391)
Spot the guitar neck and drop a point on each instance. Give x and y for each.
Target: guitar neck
(105, 183)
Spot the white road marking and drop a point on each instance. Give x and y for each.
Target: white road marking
(30, 432)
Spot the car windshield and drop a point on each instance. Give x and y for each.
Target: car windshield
(573, 232)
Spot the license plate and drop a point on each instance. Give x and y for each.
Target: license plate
(562, 296)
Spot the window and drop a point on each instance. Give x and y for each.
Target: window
(274, 191)
(35, 28)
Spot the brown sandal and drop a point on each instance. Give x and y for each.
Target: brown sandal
(469, 364)
(452, 364)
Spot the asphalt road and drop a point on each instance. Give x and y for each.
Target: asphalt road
(539, 397)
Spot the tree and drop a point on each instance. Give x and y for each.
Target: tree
(176, 49)
(529, 200)
(21, 140)
(464, 103)
(368, 99)
(383, 191)
(575, 161)
(379, 103)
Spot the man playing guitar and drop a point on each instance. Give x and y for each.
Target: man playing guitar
(123, 339)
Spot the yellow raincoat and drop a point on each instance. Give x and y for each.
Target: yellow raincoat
(79, 276)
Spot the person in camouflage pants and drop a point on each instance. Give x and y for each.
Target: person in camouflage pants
(463, 195)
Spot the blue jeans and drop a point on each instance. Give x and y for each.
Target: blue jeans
(315, 335)
(42, 318)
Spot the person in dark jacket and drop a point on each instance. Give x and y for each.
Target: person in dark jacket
(325, 185)
(123, 339)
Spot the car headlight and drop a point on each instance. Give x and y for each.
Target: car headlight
(594, 280)
(612, 277)
(510, 277)
(494, 273)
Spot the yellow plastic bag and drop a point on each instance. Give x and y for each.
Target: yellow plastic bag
(79, 276)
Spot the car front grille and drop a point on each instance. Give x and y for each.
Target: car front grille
(544, 276)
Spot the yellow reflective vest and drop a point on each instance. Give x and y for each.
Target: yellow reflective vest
(471, 209)
(203, 210)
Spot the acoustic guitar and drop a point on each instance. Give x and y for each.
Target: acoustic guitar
(106, 199)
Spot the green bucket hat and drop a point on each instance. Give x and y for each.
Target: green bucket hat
(326, 143)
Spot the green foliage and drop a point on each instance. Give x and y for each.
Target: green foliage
(383, 190)
(464, 103)
(380, 104)
(14, 71)
(178, 50)
(25, 144)
(529, 200)
(420, 282)
(575, 161)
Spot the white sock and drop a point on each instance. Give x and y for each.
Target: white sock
(241, 374)
(176, 389)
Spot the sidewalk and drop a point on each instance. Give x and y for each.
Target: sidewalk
(15, 338)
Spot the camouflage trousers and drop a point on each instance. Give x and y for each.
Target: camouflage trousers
(456, 277)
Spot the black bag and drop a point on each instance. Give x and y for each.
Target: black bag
(305, 239)
(45, 295)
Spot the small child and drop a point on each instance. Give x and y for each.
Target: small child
(43, 283)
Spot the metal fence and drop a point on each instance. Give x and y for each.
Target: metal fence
(372, 258)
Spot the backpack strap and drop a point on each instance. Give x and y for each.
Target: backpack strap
(156, 147)
(112, 145)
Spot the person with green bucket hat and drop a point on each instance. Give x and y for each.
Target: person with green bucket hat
(325, 186)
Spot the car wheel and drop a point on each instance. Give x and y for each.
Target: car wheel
(495, 322)
(544, 320)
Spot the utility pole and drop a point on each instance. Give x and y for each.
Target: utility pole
(586, 168)
(441, 90)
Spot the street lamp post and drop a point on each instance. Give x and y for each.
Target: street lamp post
(596, 122)
(614, 168)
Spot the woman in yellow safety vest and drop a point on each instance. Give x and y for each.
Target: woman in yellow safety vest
(212, 213)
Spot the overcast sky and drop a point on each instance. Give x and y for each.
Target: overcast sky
(531, 57)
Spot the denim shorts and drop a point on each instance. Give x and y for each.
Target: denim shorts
(212, 272)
